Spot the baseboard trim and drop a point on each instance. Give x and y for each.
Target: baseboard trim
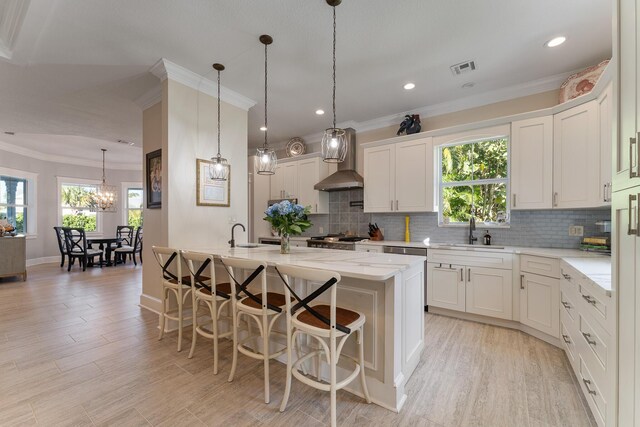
(511, 324)
(150, 303)
(44, 260)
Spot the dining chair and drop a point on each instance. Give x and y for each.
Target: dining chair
(330, 325)
(62, 244)
(122, 252)
(76, 243)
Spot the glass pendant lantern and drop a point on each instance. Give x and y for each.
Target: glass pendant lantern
(219, 170)
(267, 159)
(334, 141)
(106, 196)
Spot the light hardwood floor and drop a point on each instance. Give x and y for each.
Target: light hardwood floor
(75, 349)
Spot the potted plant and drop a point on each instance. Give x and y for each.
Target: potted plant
(288, 219)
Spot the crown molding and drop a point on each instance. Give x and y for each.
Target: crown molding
(4, 146)
(150, 98)
(11, 24)
(165, 69)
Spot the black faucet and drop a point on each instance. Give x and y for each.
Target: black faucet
(232, 242)
(472, 227)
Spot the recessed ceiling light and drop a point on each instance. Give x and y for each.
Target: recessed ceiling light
(468, 85)
(263, 128)
(122, 141)
(409, 86)
(556, 41)
(319, 112)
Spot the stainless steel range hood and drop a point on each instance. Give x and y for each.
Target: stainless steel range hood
(346, 177)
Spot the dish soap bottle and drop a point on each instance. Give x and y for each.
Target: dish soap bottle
(486, 239)
(407, 235)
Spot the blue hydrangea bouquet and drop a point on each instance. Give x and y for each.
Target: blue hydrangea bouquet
(288, 219)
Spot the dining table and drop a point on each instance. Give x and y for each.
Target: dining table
(105, 244)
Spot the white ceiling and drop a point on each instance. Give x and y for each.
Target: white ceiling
(78, 66)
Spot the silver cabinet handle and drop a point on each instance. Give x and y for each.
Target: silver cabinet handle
(555, 199)
(566, 339)
(316, 208)
(631, 230)
(589, 299)
(632, 141)
(396, 205)
(586, 384)
(588, 338)
(469, 275)
(522, 281)
(604, 193)
(514, 200)
(391, 201)
(566, 276)
(462, 274)
(566, 305)
(609, 191)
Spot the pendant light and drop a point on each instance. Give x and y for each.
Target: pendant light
(334, 142)
(267, 159)
(105, 197)
(219, 170)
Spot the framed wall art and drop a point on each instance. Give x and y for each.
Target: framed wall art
(210, 192)
(154, 179)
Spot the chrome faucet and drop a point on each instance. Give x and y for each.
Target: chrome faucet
(232, 242)
(472, 227)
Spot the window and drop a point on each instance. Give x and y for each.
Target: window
(17, 200)
(75, 202)
(474, 176)
(133, 207)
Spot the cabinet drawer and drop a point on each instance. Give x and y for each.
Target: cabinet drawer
(567, 335)
(540, 265)
(471, 258)
(595, 339)
(596, 306)
(568, 307)
(369, 248)
(593, 393)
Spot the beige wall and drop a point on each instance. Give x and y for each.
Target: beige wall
(187, 126)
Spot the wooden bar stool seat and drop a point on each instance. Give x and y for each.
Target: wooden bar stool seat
(350, 319)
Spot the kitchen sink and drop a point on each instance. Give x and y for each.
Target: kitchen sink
(248, 245)
(475, 247)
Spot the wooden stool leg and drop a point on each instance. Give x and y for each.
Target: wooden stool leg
(179, 298)
(162, 318)
(234, 362)
(214, 317)
(334, 362)
(287, 388)
(363, 379)
(265, 354)
(194, 335)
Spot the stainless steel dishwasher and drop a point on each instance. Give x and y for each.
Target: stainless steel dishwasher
(404, 250)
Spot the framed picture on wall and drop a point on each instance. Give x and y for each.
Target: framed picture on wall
(208, 191)
(154, 179)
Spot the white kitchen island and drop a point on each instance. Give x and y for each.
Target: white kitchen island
(387, 288)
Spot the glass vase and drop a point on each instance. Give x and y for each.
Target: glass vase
(285, 244)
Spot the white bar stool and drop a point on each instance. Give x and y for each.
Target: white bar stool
(325, 323)
(215, 296)
(176, 283)
(264, 307)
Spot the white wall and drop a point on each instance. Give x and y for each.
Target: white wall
(44, 244)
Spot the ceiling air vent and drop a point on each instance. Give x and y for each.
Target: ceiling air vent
(463, 67)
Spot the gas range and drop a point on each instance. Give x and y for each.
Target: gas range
(335, 241)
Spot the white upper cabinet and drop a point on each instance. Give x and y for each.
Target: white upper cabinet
(605, 117)
(310, 172)
(290, 176)
(379, 178)
(576, 159)
(532, 163)
(277, 184)
(399, 177)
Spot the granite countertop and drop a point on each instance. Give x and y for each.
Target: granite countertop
(597, 270)
(305, 238)
(359, 265)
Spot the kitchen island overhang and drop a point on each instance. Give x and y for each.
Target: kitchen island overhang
(387, 288)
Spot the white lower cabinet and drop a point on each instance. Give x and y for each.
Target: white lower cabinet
(469, 285)
(540, 303)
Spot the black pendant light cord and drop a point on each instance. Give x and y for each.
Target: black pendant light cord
(219, 115)
(266, 128)
(334, 67)
(104, 178)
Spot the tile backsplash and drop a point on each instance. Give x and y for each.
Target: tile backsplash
(538, 228)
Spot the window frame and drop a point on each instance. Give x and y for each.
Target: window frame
(63, 180)
(126, 186)
(31, 205)
(473, 138)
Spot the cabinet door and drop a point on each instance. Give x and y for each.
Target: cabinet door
(532, 163)
(308, 176)
(576, 157)
(277, 184)
(414, 176)
(445, 286)
(489, 292)
(605, 117)
(379, 178)
(290, 176)
(626, 276)
(539, 303)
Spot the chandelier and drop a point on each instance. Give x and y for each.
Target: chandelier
(267, 159)
(105, 198)
(220, 168)
(334, 142)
